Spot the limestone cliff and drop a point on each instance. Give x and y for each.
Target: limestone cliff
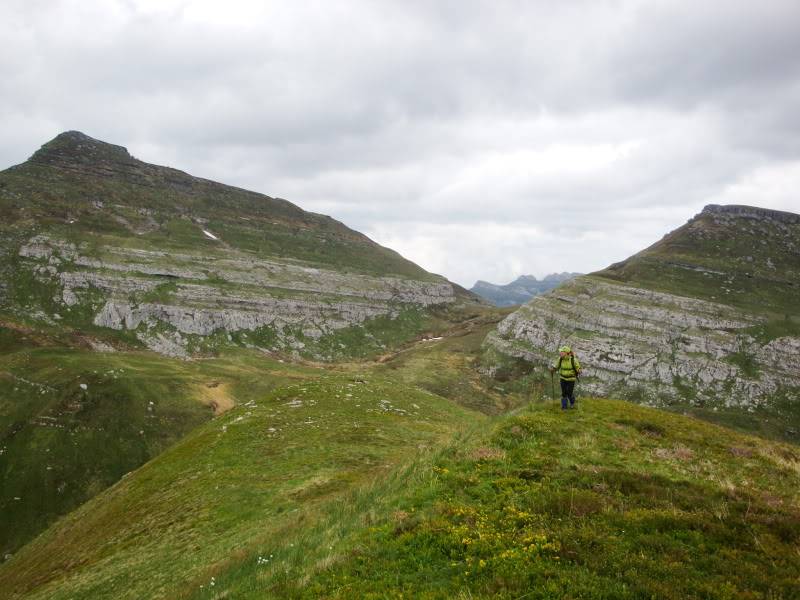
(168, 298)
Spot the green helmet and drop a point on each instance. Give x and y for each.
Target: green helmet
(565, 349)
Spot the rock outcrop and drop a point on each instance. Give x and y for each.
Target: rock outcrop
(201, 295)
(752, 212)
(654, 346)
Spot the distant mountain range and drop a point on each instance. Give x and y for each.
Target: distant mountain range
(520, 290)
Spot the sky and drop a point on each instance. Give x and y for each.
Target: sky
(482, 140)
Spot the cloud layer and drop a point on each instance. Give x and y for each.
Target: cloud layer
(481, 140)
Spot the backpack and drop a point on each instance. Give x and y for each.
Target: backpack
(572, 360)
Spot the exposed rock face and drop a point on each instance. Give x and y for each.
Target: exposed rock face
(201, 295)
(753, 212)
(651, 345)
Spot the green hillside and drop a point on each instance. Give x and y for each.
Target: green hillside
(609, 501)
(263, 471)
(93, 191)
(377, 481)
(96, 243)
(738, 255)
(72, 421)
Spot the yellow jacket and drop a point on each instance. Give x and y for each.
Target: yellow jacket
(565, 369)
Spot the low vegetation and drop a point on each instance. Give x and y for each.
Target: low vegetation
(72, 422)
(751, 265)
(608, 501)
(263, 471)
(379, 480)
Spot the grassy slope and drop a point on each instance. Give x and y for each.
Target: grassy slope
(104, 197)
(397, 441)
(350, 497)
(230, 486)
(61, 444)
(778, 421)
(99, 197)
(748, 264)
(610, 501)
(446, 366)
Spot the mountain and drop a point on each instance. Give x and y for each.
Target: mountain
(103, 257)
(520, 290)
(134, 254)
(706, 320)
(376, 479)
(355, 445)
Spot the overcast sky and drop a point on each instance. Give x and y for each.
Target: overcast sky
(482, 140)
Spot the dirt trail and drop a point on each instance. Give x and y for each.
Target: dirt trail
(216, 395)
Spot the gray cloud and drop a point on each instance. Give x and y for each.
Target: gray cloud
(425, 124)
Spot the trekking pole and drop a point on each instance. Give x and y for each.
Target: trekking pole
(552, 386)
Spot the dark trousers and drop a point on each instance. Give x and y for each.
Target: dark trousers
(567, 393)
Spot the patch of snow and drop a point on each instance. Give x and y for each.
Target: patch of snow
(210, 235)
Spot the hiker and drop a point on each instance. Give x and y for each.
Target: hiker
(568, 369)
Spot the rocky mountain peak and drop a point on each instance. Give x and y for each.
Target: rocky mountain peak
(76, 148)
(522, 279)
(751, 212)
(520, 290)
(559, 277)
